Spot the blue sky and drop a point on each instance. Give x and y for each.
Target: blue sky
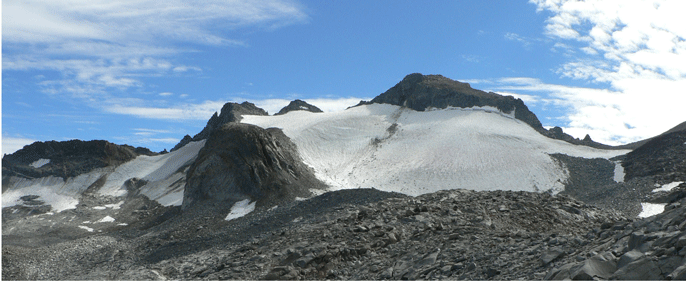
(145, 73)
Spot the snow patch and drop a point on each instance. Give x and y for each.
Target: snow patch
(115, 206)
(240, 209)
(619, 172)
(396, 149)
(39, 163)
(86, 228)
(303, 108)
(650, 209)
(54, 191)
(99, 208)
(106, 219)
(157, 171)
(122, 224)
(668, 187)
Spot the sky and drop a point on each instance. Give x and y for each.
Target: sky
(146, 73)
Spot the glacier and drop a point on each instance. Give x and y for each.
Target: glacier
(396, 149)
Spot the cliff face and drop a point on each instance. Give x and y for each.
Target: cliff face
(242, 161)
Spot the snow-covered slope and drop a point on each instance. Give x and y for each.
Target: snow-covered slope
(162, 174)
(397, 149)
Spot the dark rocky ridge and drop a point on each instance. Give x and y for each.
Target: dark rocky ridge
(230, 112)
(299, 105)
(419, 92)
(663, 156)
(243, 161)
(634, 145)
(67, 158)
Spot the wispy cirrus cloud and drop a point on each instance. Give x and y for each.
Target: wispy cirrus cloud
(101, 44)
(204, 110)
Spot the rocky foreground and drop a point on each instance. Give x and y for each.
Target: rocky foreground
(366, 234)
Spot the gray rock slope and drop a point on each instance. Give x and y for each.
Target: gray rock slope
(242, 161)
(299, 105)
(664, 155)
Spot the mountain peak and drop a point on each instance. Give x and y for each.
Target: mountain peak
(230, 112)
(419, 92)
(299, 105)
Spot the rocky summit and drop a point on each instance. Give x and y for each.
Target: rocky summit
(376, 192)
(299, 105)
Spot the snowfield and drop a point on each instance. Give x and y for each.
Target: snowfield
(397, 149)
(161, 173)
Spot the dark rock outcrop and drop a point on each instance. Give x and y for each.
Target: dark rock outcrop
(419, 92)
(242, 161)
(299, 105)
(67, 158)
(230, 112)
(634, 145)
(186, 139)
(663, 156)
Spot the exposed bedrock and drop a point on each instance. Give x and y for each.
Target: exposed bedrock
(419, 92)
(243, 161)
(299, 105)
(67, 158)
(230, 112)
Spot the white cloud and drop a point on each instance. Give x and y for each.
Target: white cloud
(149, 132)
(335, 104)
(181, 112)
(526, 42)
(102, 45)
(610, 117)
(13, 144)
(203, 111)
(186, 68)
(638, 48)
(164, 94)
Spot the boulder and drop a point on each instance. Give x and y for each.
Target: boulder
(641, 269)
(629, 257)
(597, 267)
(551, 255)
